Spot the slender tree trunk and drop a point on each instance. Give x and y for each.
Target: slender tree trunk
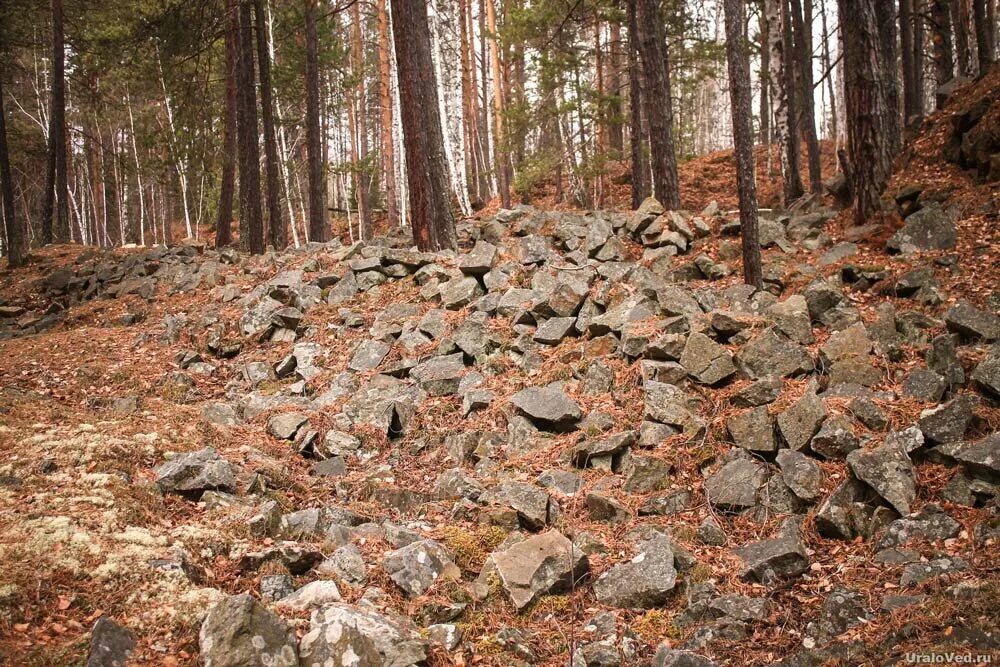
(640, 165)
(910, 102)
(616, 134)
(224, 222)
(985, 33)
(499, 138)
(802, 33)
(55, 197)
(13, 234)
(360, 130)
(249, 148)
(314, 142)
(960, 20)
(277, 229)
(919, 58)
(828, 69)
(885, 24)
(869, 113)
(944, 60)
(738, 61)
(658, 103)
(783, 98)
(385, 102)
(430, 210)
(765, 77)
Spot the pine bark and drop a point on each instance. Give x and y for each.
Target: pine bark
(357, 111)
(314, 143)
(885, 25)
(246, 130)
(277, 229)
(640, 165)
(911, 106)
(985, 33)
(55, 202)
(658, 103)
(943, 47)
(960, 20)
(13, 234)
(765, 76)
(385, 102)
(427, 176)
(499, 138)
(783, 98)
(802, 38)
(740, 96)
(869, 113)
(616, 134)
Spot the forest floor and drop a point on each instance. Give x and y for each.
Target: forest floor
(107, 390)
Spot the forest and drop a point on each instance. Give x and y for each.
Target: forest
(440, 333)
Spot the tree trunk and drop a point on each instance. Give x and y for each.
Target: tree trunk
(741, 98)
(944, 61)
(13, 234)
(765, 78)
(640, 165)
(385, 102)
(802, 31)
(783, 98)
(910, 101)
(919, 91)
(828, 69)
(430, 209)
(314, 141)
(658, 103)
(960, 20)
(246, 129)
(616, 134)
(499, 148)
(359, 126)
(224, 222)
(277, 229)
(55, 197)
(869, 112)
(985, 33)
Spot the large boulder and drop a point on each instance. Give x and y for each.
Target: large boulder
(240, 632)
(930, 228)
(540, 565)
(644, 582)
(194, 473)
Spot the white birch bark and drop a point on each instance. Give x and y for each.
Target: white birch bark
(180, 164)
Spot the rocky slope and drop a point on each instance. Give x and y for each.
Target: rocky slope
(578, 441)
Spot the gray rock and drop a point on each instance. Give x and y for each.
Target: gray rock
(753, 430)
(947, 422)
(772, 354)
(110, 644)
(670, 405)
(345, 635)
(665, 505)
(711, 533)
(706, 361)
(759, 392)
(930, 228)
(942, 358)
(968, 321)
(238, 631)
(540, 565)
(315, 594)
(531, 503)
(841, 611)
(563, 481)
(644, 582)
(930, 523)
(791, 317)
(273, 587)
(458, 293)
(194, 473)
(479, 260)
(987, 373)
(553, 330)
(419, 565)
(835, 438)
(456, 483)
(286, 426)
(924, 384)
(980, 458)
(439, 376)
(865, 411)
(888, 470)
(780, 557)
(669, 657)
(346, 563)
(734, 486)
(368, 355)
(602, 508)
(802, 475)
(548, 407)
(801, 421)
(918, 573)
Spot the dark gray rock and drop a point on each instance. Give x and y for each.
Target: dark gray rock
(759, 392)
(801, 474)
(553, 330)
(458, 293)
(947, 422)
(980, 458)
(772, 354)
(969, 322)
(930, 228)
(603, 508)
(193, 474)
(548, 407)
(531, 503)
(239, 631)
(342, 634)
(753, 430)
(799, 422)
(987, 373)
(711, 533)
(841, 611)
(706, 361)
(669, 657)
(368, 355)
(865, 411)
(645, 474)
(670, 405)
(734, 486)
(111, 645)
(888, 470)
(924, 384)
(930, 523)
(780, 557)
(419, 565)
(479, 260)
(835, 438)
(439, 376)
(644, 582)
(918, 573)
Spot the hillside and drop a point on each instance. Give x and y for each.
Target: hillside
(581, 440)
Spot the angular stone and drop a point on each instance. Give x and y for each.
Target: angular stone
(802, 475)
(930, 228)
(835, 438)
(670, 405)
(194, 473)
(111, 645)
(311, 596)
(706, 361)
(239, 631)
(780, 557)
(800, 422)
(947, 422)
(285, 426)
(419, 565)
(759, 392)
(888, 470)
(554, 329)
(987, 373)
(842, 610)
(548, 407)
(458, 293)
(344, 635)
(479, 260)
(540, 565)
(930, 524)
(968, 321)
(644, 474)
(753, 430)
(791, 317)
(644, 582)
(368, 355)
(770, 353)
(440, 376)
(530, 502)
(981, 458)
(669, 657)
(865, 411)
(924, 384)
(734, 486)
(603, 508)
